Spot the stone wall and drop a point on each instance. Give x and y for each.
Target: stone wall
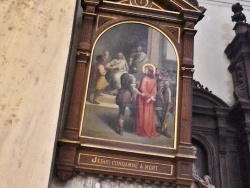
(35, 38)
(34, 44)
(215, 32)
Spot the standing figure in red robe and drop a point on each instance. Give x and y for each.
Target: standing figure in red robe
(145, 120)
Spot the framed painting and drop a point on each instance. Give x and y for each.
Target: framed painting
(131, 95)
(130, 87)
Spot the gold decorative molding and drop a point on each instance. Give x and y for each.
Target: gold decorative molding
(187, 69)
(125, 1)
(82, 57)
(101, 20)
(143, 3)
(184, 5)
(84, 62)
(74, 129)
(157, 6)
(186, 156)
(68, 141)
(189, 77)
(153, 6)
(83, 53)
(187, 72)
(92, 14)
(141, 14)
(190, 6)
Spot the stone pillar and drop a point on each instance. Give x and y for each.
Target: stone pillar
(222, 130)
(238, 52)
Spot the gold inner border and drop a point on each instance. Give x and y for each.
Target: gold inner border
(170, 166)
(177, 87)
(161, 10)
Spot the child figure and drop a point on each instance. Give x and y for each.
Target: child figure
(101, 82)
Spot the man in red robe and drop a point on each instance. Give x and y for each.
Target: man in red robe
(145, 120)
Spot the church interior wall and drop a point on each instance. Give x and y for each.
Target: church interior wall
(34, 44)
(215, 32)
(35, 41)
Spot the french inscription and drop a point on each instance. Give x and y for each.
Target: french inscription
(124, 164)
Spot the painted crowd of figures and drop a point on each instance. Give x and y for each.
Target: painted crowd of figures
(137, 85)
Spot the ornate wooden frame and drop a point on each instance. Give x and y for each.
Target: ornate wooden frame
(176, 19)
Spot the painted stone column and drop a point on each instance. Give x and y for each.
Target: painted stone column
(238, 52)
(222, 127)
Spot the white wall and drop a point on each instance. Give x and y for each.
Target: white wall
(215, 32)
(34, 44)
(35, 37)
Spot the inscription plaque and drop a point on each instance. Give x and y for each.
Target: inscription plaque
(88, 161)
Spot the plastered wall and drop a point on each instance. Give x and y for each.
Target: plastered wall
(215, 32)
(34, 44)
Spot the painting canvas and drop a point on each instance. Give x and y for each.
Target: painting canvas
(132, 87)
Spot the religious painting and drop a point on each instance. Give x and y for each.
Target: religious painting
(131, 95)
